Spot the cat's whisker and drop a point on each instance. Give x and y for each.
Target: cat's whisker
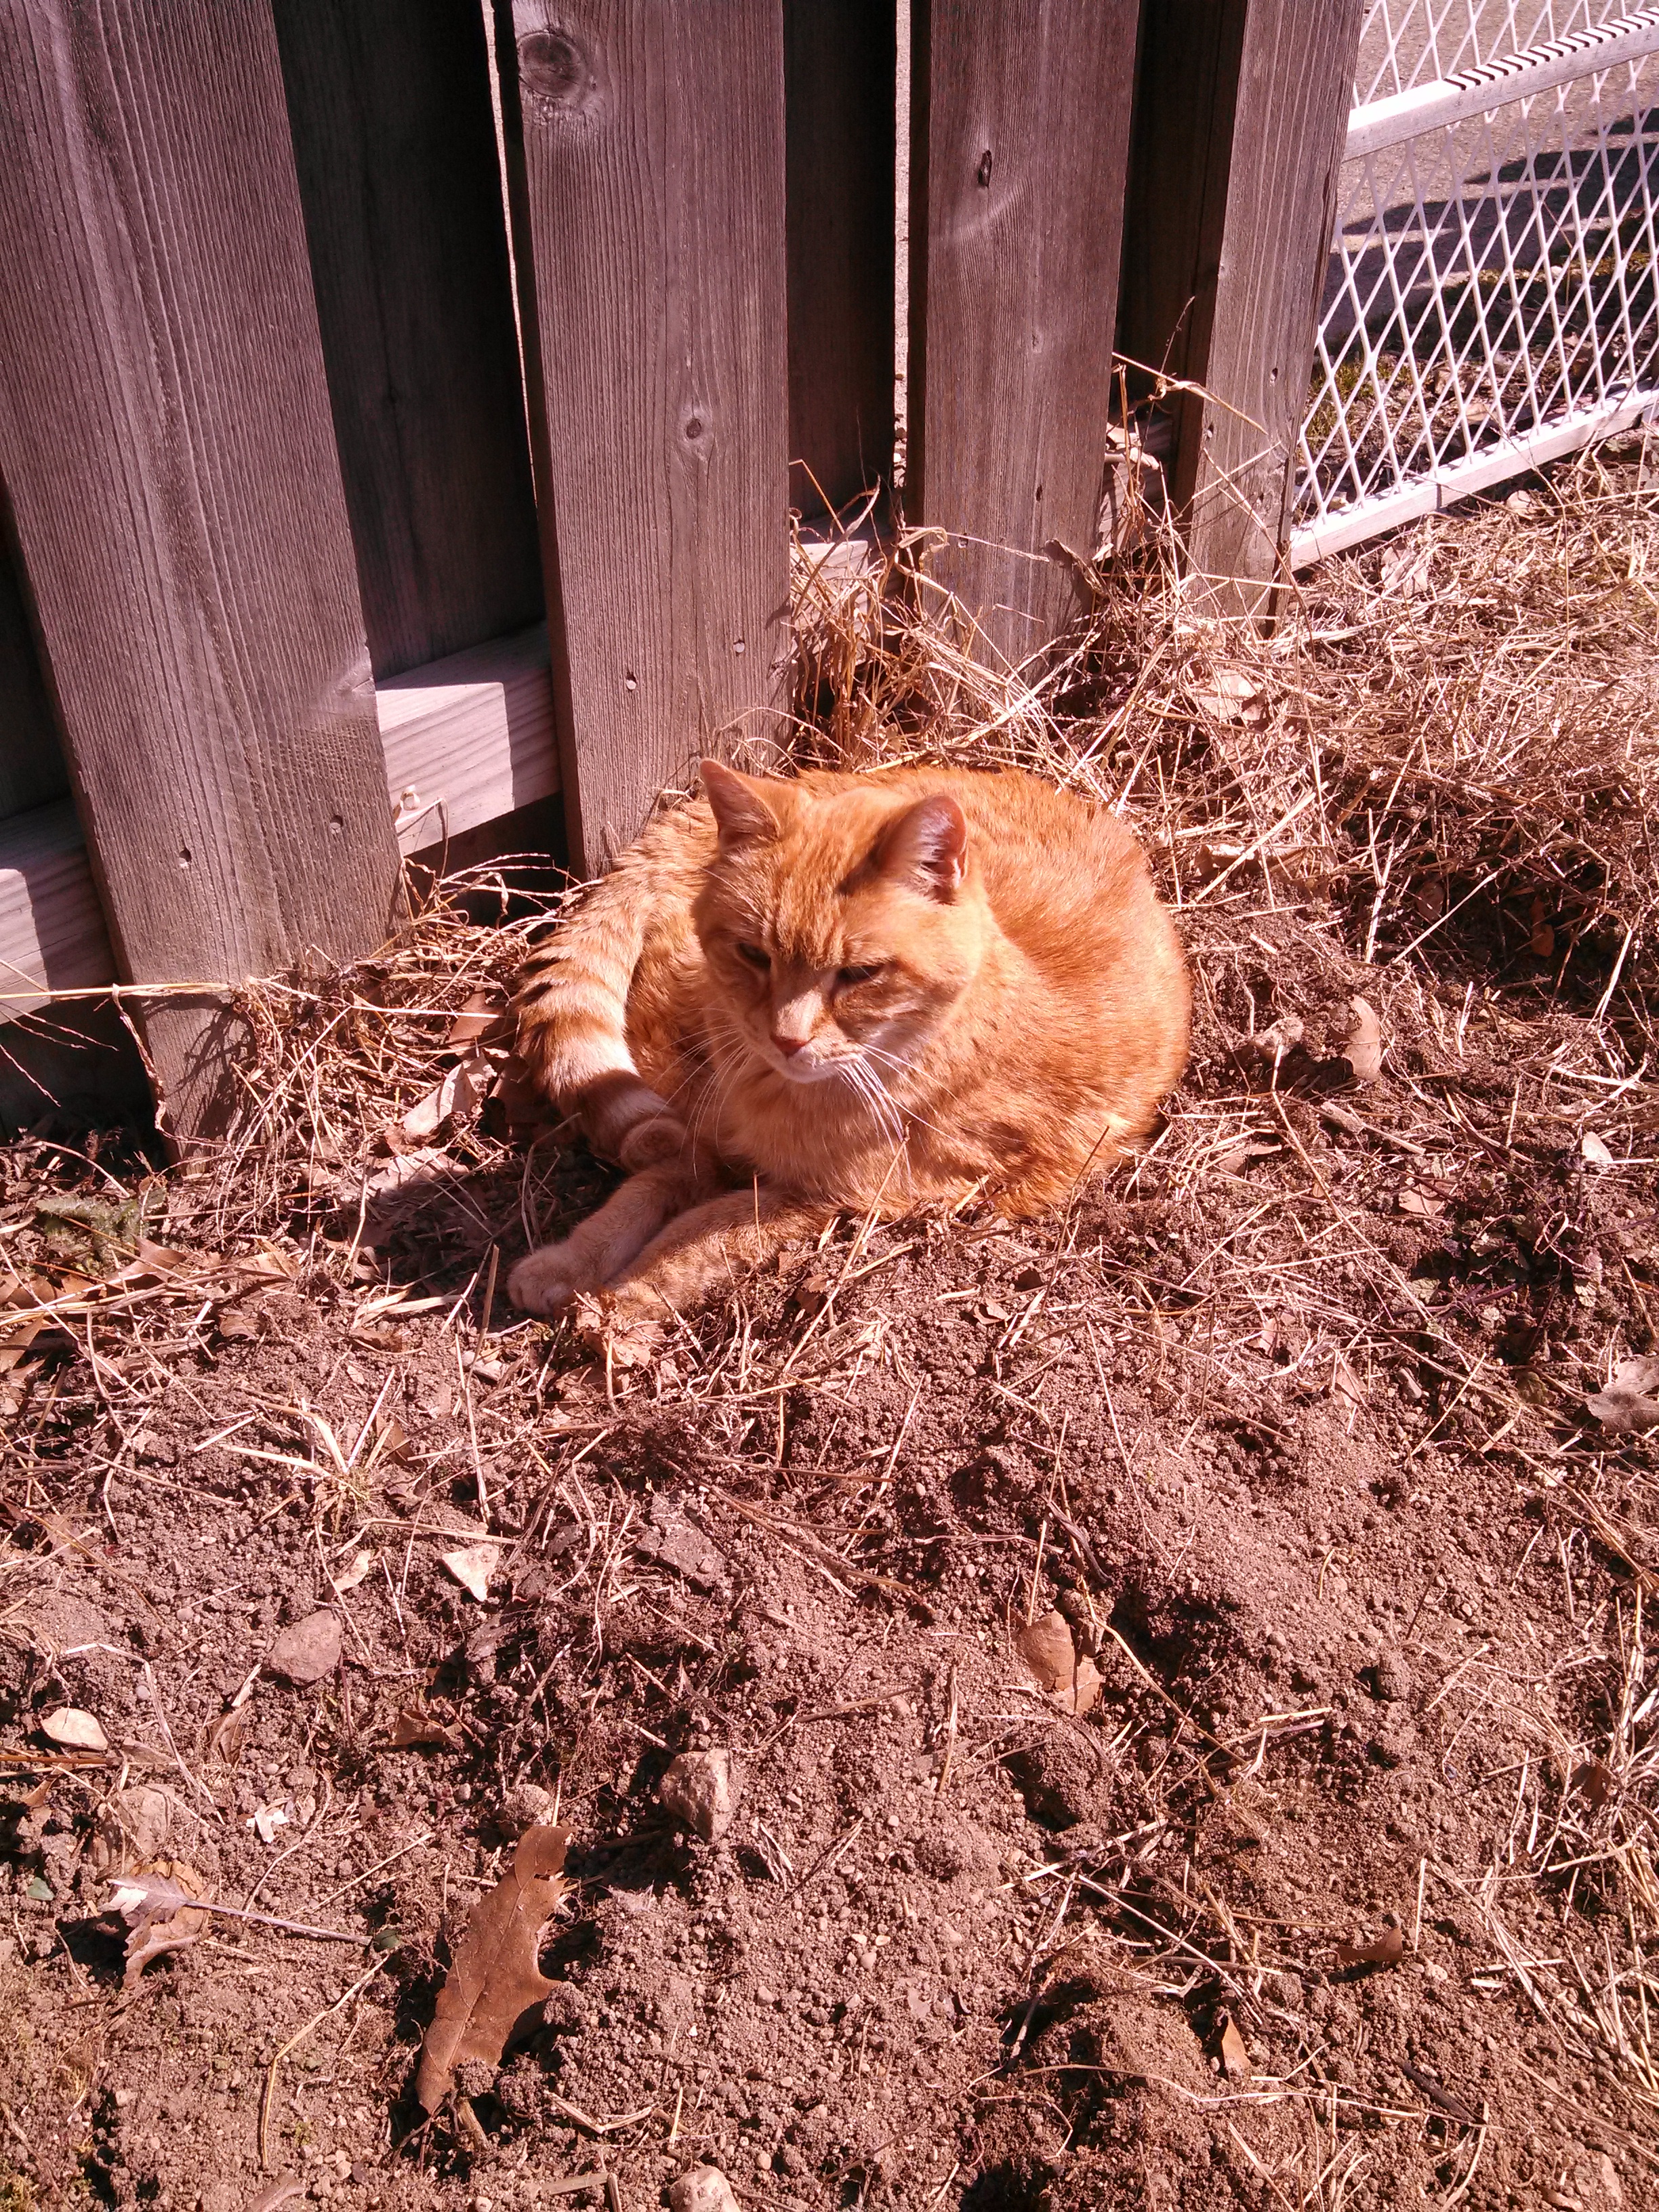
(874, 1093)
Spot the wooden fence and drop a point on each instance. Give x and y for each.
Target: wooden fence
(322, 543)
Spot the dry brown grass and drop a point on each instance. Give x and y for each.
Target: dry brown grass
(1432, 784)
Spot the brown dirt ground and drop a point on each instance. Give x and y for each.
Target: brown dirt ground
(1288, 1423)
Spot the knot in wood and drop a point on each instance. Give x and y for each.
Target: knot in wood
(555, 72)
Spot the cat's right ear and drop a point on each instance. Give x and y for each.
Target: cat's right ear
(741, 813)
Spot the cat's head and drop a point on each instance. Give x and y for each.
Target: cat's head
(840, 926)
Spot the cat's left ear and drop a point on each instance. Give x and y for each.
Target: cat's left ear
(927, 847)
(742, 815)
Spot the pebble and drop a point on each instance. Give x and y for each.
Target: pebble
(526, 1805)
(696, 1789)
(701, 2189)
(305, 1652)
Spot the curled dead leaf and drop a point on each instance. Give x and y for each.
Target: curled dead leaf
(415, 1730)
(1234, 2050)
(354, 1572)
(495, 1985)
(1232, 696)
(1594, 1780)
(74, 1729)
(1046, 1648)
(163, 1905)
(1387, 1949)
(453, 1098)
(474, 1567)
(1363, 1048)
(1629, 1401)
(483, 1016)
(1045, 1644)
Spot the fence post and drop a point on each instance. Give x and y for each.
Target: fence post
(646, 144)
(166, 444)
(395, 147)
(1242, 118)
(839, 63)
(1018, 152)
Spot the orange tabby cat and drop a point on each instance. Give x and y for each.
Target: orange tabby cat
(845, 992)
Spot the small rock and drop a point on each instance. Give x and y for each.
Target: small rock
(526, 1805)
(696, 1789)
(701, 2189)
(305, 1653)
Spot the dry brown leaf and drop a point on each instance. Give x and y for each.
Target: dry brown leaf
(495, 1980)
(473, 1567)
(455, 1097)
(1235, 2051)
(1595, 1779)
(414, 1729)
(14, 1346)
(1630, 1402)
(348, 1578)
(484, 1015)
(1232, 696)
(74, 1729)
(1364, 1049)
(1387, 1949)
(224, 1741)
(156, 1903)
(1046, 1646)
(1410, 1199)
(1345, 1383)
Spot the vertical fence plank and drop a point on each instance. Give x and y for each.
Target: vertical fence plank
(647, 147)
(1245, 112)
(395, 147)
(839, 64)
(166, 443)
(1019, 148)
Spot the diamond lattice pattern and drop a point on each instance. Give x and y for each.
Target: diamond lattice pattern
(1487, 278)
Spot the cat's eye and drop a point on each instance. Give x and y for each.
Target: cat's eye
(756, 955)
(849, 978)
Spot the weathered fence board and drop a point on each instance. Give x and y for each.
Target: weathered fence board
(646, 143)
(466, 740)
(839, 60)
(469, 739)
(166, 442)
(1020, 147)
(1244, 112)
(395, 148)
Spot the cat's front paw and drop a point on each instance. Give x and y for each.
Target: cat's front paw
(546, 1281)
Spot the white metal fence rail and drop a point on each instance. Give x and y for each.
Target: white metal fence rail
(1491, 302)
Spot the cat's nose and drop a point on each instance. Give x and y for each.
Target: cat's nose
(789, 1046)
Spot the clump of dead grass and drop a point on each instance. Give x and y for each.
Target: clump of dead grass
(1429, 785)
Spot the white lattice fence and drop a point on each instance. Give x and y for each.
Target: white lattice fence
(1490, 299)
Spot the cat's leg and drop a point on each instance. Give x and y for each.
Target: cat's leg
(704, 1248)
(546, 1280)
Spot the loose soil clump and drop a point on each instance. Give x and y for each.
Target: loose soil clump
(1148, 1707)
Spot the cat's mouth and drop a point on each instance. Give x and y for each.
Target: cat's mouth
(799, 1069)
